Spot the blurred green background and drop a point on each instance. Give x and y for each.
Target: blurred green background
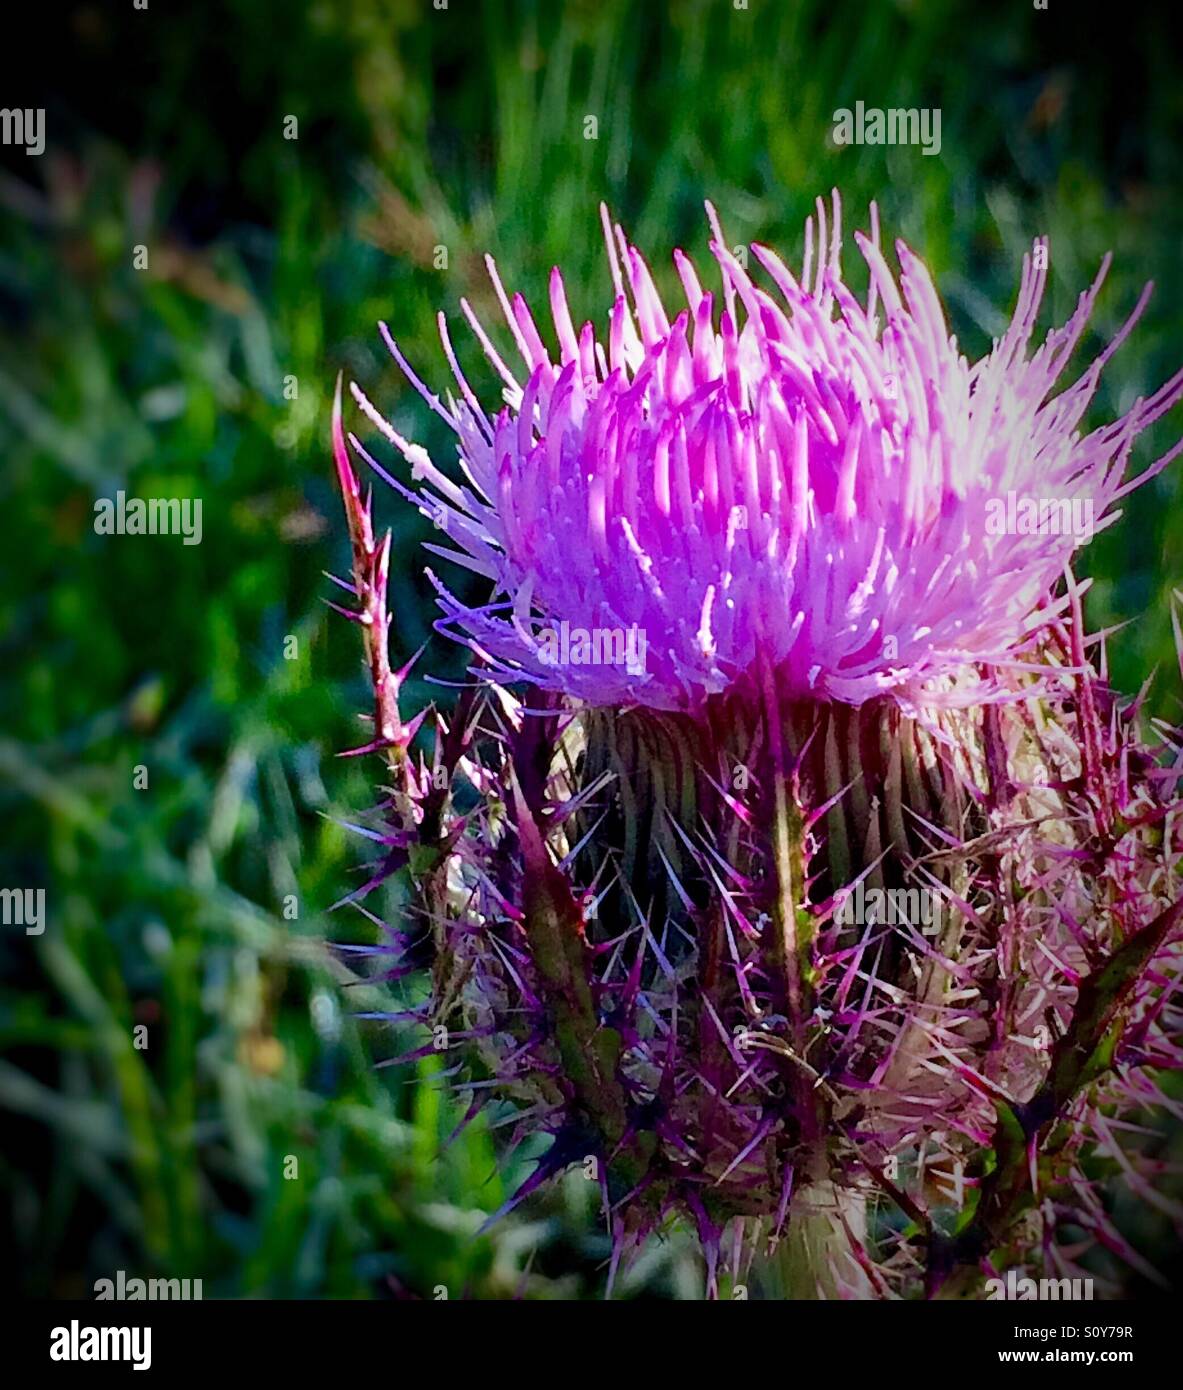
(273, 259)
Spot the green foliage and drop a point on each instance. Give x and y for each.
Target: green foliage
(271, 260)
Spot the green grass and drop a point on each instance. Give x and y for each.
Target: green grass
(273, 259)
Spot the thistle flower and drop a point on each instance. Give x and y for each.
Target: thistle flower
(786, 486)
(841, 910)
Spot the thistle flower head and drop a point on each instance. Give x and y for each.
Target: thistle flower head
(776, 474)
(850, 916)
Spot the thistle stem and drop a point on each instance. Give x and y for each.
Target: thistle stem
(815, 1259)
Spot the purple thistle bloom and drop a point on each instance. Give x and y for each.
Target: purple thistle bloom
(773, 482)
(842, 913)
